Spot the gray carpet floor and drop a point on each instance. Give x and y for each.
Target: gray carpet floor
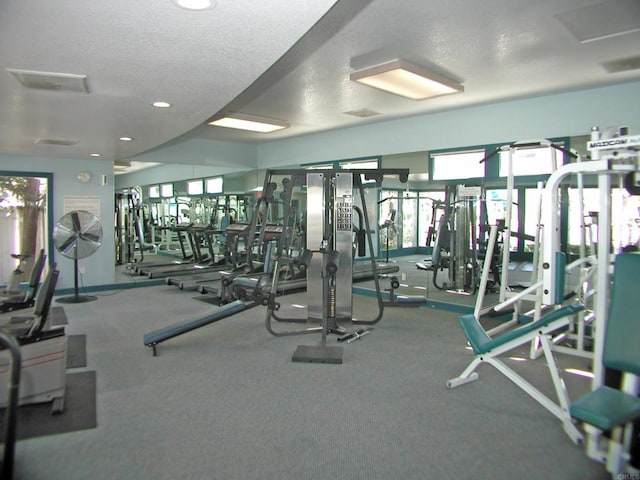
(226, 402)
(79, 413)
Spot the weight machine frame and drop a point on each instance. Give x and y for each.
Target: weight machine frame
(337, 218)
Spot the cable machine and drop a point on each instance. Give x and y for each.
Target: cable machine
(329, 252)
(129, 226)
(455, 246)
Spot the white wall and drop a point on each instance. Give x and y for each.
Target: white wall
(100, 267)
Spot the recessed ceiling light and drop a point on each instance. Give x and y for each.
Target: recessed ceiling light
(95, 155)
(126, 139)
(161, 104)
(195, 4)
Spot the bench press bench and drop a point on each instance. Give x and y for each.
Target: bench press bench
(152, 339)
(488, 350)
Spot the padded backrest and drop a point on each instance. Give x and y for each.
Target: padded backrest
(41, 298)
(48, 288)
(36, 271)
(623, 325)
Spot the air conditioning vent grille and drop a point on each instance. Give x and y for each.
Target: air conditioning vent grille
(622, 64)
(362, 113)
(61, 142)
(59, 82)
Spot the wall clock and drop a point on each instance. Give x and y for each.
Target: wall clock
(84, 177)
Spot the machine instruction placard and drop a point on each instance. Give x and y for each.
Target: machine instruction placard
(90, 203)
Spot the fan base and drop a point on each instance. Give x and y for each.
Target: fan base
(77, 299)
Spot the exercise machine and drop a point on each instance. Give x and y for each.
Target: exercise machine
(328, 256)
(237, 294)
(10, 345)
(509, 273)
(614, 155)
(129, 227)
(455, 244)
(13, 286)
(43, 352)
(613, 408)
(154, 338)
(25, 299)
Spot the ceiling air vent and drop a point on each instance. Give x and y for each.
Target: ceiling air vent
(61, 142)
(622, 64)
(602, 20)
(59, 82)
(362, 113)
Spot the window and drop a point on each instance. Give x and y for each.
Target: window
(154, 191)
(388, 226)
(195, 187)
(531, 161)
(324, 166)
(24, 220)
(409, 220)
(430, 205)
(497, 210)
(214, 185)
(166, 190)
(457, 165)
(533, 204)
(625, 218)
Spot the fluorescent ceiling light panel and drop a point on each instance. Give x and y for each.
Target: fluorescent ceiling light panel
(405, 79)
(249, 122)
(118, 165)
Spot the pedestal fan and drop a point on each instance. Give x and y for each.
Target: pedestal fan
(77, 235)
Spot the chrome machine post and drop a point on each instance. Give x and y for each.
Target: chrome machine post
(330, 224)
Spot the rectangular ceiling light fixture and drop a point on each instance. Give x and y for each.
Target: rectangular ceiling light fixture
(121, 166)
(403, 78)
(249, 122)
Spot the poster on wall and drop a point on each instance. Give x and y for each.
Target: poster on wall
(90, 203)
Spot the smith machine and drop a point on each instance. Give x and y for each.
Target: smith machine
(328, 257)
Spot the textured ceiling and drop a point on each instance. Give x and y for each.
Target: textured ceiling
(286, 60)
(133, 53)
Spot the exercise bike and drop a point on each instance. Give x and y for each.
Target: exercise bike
(13, 287)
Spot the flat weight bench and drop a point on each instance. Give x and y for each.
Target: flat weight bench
(152, 339)
(487, 350)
